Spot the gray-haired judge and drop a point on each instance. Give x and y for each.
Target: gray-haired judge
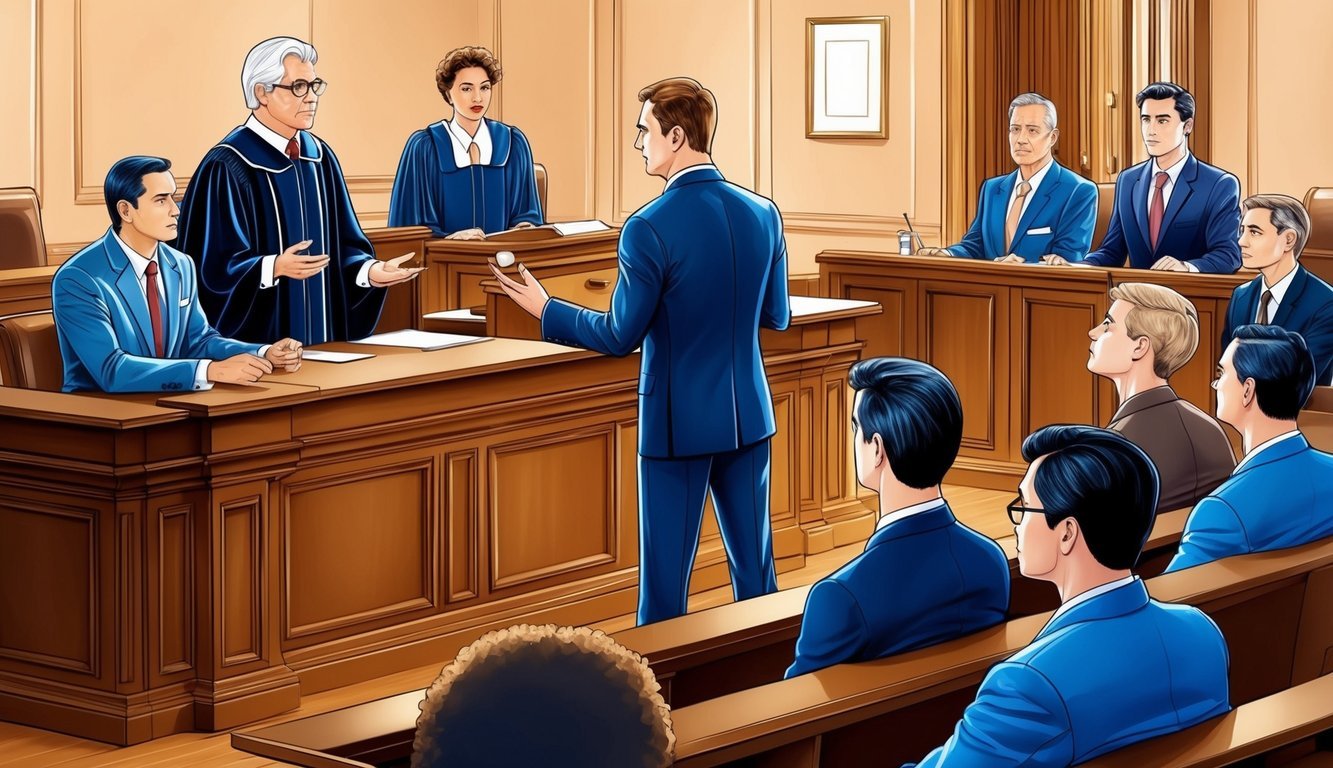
(1041, 208)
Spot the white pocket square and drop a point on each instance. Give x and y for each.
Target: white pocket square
(1040, 231)
(185, 302)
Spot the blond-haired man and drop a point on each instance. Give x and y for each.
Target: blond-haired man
(1148, 334)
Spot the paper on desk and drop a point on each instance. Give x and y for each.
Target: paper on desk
(567, 228)
(325, 356)
(423, 340)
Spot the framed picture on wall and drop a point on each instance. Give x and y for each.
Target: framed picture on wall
(846, 77)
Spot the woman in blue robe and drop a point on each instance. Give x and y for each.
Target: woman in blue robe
(466, 176)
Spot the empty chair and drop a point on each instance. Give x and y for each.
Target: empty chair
(22, 243)
(30, 352)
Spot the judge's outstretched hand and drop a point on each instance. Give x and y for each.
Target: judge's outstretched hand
(299, 266)
(238, 369)
(285, 354)
(529, 295)
(392, 272)
(467, 234)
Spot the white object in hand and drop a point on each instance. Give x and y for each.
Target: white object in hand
(505, 259)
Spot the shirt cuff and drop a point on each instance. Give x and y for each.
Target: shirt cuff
(201, 381)
(263, 350)
(1191, 267)
(266, 278)
(363, 277)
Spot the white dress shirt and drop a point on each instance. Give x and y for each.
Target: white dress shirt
(1087, 595)
(905, 512)
(1265, 445)
(672, 178)
(461, 141)
(1033, 182)
(1278, 290)
(140, 266)
(279, 142)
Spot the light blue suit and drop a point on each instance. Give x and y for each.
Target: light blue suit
(1059, 219)
(1113, 670)
(106, 336)
(1282, 498)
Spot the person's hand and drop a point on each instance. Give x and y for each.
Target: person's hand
(285, 354)
(1010, 259)
(383, 274)
(466, 234)
(529, 295)
(1060, 261)
(933, 252)
(524, 225)
(1170, 264)
(242, 369)
(292, 264)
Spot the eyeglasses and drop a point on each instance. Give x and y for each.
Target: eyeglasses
(301, 87)
(1016, 509)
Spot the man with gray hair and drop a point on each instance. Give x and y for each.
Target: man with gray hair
(1040, 209)
(269, 221)
(1284, 294)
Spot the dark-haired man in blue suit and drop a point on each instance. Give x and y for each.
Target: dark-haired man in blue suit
(127, 307)
(1172, 211)
(1285, 294)
(948, 580)
(1112, 666)
(702, 268)
(1281, 493)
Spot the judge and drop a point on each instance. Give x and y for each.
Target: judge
(466, 176)
(268, 217)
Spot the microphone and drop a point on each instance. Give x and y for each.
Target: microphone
(919, 243)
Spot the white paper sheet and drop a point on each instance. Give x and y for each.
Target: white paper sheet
(423, 340)
(567, 228)
(325, 356)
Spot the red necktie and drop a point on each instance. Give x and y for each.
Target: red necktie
(154, 309)
(293, 150)
(1155, 211)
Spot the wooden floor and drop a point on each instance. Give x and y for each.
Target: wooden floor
(980, 509)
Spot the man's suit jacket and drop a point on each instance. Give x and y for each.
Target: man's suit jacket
(1059, 220)
(1200, 225)
(1115, 669)
(106, 336)
(1188, 447)
(1306, 308)
(921, 580)
(1282, 498)
(702, 267)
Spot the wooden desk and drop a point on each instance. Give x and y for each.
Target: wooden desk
(1013, 338)
(196, 561)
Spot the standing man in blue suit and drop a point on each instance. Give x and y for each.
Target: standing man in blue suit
(1042, 208)
(1112, 666)
(702, 268)
(1172, 211)
(908, 425)
(1285, 294)
(1281, 493)
(127, 307)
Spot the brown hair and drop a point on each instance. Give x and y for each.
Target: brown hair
(1286, 213)
(1168, 319)
(684, 102)
(462, 58)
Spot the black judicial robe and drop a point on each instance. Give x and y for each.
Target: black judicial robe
(248, 200)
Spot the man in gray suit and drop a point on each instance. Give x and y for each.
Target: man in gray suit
(1148, 334)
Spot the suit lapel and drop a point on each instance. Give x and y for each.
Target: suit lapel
(1180, 196)
(131, 293)
(1249, 306)
(1292, 298)
(171, 283)
(1003, 194)
(1040, 198)
(1140, 202)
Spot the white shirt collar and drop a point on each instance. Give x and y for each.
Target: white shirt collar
(1279, 289)
(905, 512)
(672, 179)
(270, 136)
(1172, 173)
(1033, 182)
(462, 141)
(1265, 445)
(1084, 597)
(139, 263)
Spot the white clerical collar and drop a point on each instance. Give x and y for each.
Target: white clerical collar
(270, 136)
(462, 141)
(1087, 595)
(1265, 445)
(683, 171)
(137, 261)
(905, 512)
(1174, 171)
(1279, 289)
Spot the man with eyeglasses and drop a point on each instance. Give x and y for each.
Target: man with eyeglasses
(268, 218)
(1281, 493)
(1112, 666)
(1040, 209)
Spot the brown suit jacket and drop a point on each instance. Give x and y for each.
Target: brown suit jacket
(1188, 446)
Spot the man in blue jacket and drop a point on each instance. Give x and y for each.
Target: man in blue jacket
(1112, 666)
(947, 579)
(1172, 211)
(702, 267)
(1281, 493)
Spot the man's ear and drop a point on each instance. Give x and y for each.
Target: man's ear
(261, 94)
(677, 137)
(123, 208)
(1247, 392)
(880, 456)
(1069, 534)
(1189, 126)
(1142, 346)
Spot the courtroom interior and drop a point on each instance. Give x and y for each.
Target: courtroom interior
(721, 382)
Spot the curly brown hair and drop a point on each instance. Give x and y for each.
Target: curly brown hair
(462, 58)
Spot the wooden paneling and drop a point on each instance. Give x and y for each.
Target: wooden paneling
(894, 332)
(951, 313)
(1053, 332)
(461, 494)
(171, 589)
(242, 558)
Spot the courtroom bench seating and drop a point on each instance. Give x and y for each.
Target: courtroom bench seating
(30, 352)
(1317, 255)
(22, 243)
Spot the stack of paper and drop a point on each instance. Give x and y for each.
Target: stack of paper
(423, 340)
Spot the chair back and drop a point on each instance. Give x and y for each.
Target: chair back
(1318, 254)
(30, 352)
(1105, 204)
(539, 171)
(22, 243)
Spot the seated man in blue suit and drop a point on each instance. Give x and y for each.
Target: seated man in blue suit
(924, 577)
(1172, 211)
(1042, 208)
(1275, 230)
(702, 268)
(1281, 493)
(127, 307)
(1112, 666)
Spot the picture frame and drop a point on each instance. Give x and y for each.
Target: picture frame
(846, 77)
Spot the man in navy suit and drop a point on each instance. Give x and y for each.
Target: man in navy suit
(1285, 294)
(1172, 211)
(1112, 666)
(1041, 208)
(948, 580)
(127, 307)
(1281, 493)
(702, 267)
